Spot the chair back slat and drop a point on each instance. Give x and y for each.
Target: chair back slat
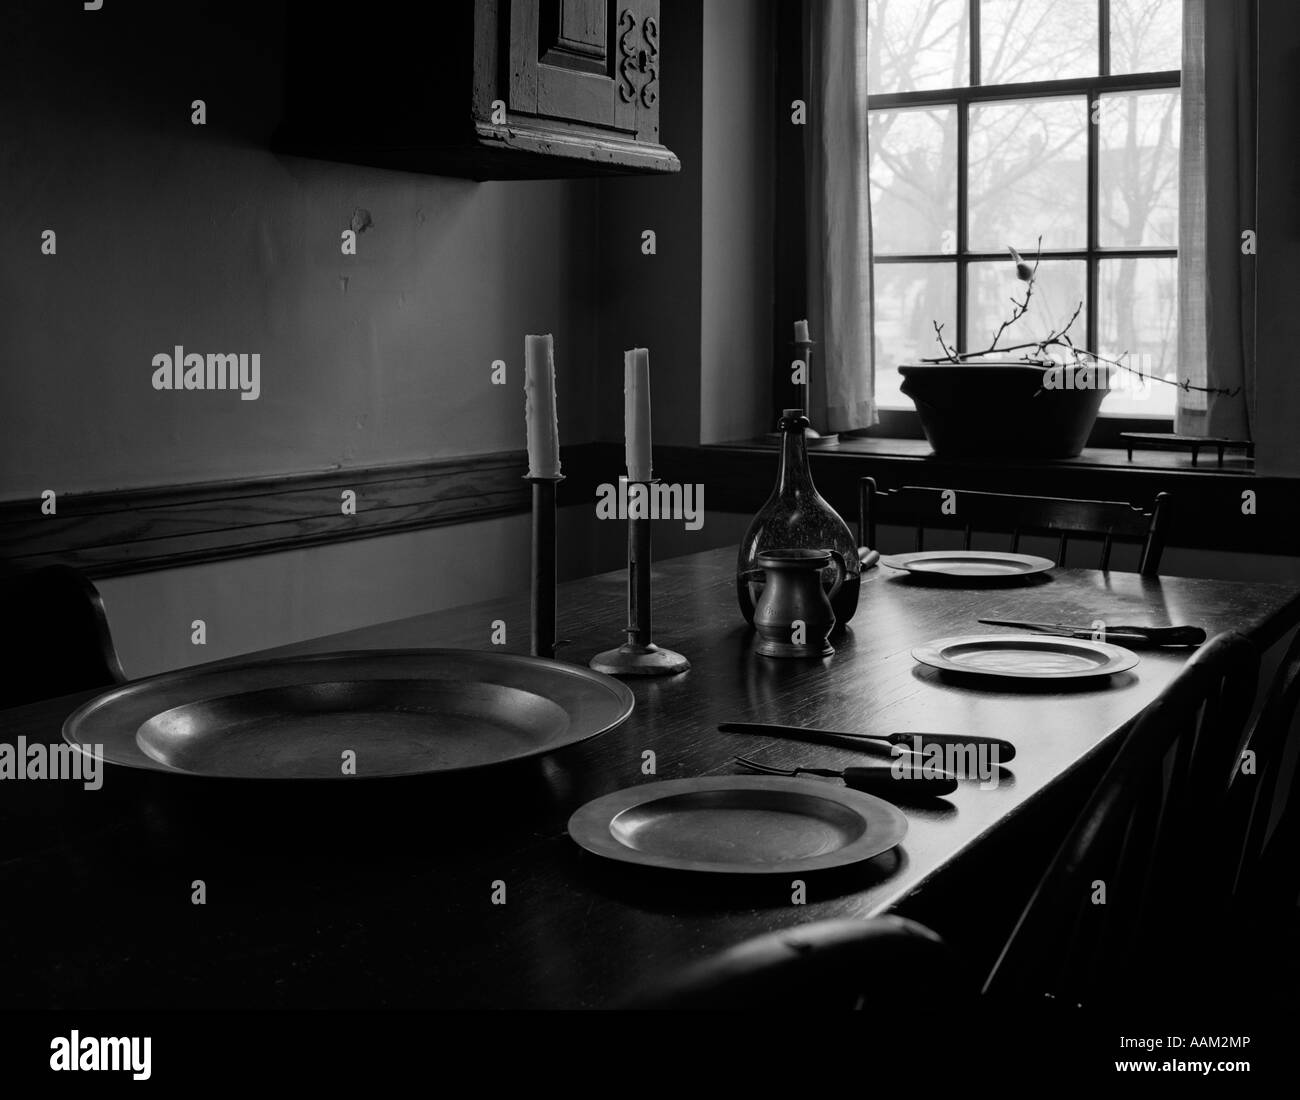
(1153, 546)
(1262, 801)
(866, 512)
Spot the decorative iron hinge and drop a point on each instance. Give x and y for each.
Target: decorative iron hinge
(638, 65)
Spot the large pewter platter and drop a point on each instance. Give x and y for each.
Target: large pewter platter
(402, 712)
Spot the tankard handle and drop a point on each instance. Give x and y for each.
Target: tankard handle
(841, 572)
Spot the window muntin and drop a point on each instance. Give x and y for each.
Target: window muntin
(1059, 118)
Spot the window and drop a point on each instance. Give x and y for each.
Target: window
(996, 122)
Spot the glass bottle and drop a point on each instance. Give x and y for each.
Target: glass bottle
(796, 517)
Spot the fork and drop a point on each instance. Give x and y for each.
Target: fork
(877, 779)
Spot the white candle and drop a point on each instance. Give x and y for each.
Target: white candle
(801, 333)
(539, 407)
(636, 413)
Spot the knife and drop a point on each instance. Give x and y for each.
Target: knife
(877, 779)
(1006, 750)
(1114, 632)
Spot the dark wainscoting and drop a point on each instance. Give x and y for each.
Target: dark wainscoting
(137, 530)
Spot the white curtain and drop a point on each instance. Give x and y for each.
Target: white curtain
(1193, 326)
(840, 293)
(1216, 206)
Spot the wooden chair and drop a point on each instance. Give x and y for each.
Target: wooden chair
(59, 641)
(1132, 907)
(827, 965)
(1264, 810)
(970, 511)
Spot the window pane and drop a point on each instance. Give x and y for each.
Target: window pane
(1060, 287)
(1138, 173)
(1138, 313)
(1029, 174)
(1037, 40)
(909, 298)
(1146, 36)
(917, 44)
(914, 180)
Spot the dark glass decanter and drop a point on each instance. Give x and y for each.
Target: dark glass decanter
(796, 517)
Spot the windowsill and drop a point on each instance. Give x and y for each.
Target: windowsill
(1234, 462)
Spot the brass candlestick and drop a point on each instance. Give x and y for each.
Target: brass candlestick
(639, 656)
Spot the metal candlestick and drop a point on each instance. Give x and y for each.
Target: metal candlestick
(639, 656)
(543, 600)
(812, 438)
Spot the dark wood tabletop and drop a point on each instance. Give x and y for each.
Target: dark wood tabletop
(380, 893)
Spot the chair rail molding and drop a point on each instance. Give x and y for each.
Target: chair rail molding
(137, 530)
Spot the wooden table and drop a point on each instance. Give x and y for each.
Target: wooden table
(380, 894)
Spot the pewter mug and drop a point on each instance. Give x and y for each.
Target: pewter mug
(794, 616)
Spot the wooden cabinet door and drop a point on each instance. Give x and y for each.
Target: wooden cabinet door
(593, 62)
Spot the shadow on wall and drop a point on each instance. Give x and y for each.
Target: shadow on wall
(276, 599)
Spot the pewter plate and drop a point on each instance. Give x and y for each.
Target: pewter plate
(1017, 657)
(739, 824)
(967, 564)
(402, 712)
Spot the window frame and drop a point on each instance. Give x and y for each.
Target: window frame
(962, 98)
